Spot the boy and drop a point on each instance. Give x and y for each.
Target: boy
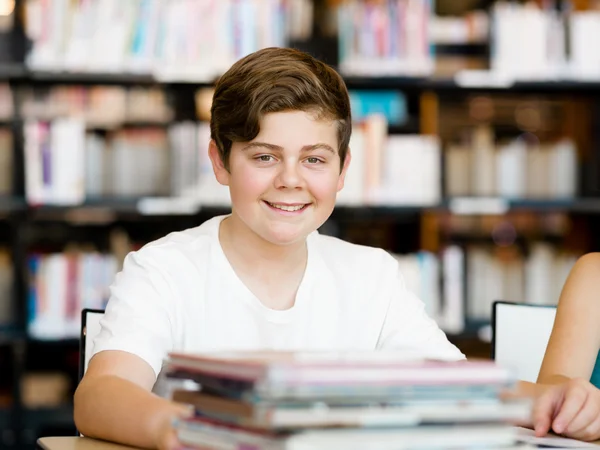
(261, 277)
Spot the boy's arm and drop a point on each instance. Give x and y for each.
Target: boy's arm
(566, 402)
(114, 402)
(408, 327)
(575, 339)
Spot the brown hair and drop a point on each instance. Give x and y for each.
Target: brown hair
(274, 80)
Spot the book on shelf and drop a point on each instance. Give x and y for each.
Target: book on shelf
(453, 290)
(6, 162)
(390, 103)
(192, 174)
(54, 162)
(421, 272)
(470, 28)
(267, 399)
(7, 302)
(6, 102)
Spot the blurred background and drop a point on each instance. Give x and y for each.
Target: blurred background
(475, 154)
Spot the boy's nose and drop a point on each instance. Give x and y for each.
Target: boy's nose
(289, 176)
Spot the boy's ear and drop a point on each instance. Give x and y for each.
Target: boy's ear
(221, 172)
(342, 177)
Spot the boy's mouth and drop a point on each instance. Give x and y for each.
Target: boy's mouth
(289, 207)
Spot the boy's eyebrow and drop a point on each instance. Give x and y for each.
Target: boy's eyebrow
(262, 145)
(306, 148)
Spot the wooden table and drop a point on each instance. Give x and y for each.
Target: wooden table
(77, 443)
(83, 443)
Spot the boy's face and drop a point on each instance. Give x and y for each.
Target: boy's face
(283, 183)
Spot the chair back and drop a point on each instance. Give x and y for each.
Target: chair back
(520, 334)
(90, 327)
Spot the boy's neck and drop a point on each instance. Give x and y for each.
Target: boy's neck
(242, 246)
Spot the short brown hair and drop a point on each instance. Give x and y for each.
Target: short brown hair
(274, 80)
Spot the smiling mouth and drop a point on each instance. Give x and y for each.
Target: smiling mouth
(288, 208)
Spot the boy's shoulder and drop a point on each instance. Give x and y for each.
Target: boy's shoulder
(179, 243)
(340, 253)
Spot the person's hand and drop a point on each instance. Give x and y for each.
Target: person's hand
(571, 408)
(165, 437)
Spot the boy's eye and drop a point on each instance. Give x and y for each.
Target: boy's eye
(313, 160)
(265, 158)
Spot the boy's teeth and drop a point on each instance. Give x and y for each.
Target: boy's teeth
(287, 208)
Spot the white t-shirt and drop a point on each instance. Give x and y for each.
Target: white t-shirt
(180, 293)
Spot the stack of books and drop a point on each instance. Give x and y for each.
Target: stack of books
(331, 400)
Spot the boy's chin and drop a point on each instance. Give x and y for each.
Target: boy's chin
(284, 239)
(282, 233)
(285, 234)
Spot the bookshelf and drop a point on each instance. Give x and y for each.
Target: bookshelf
(422, 229)
(410, 219)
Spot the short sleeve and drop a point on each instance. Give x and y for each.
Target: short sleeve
(139, 315)
(408, 327)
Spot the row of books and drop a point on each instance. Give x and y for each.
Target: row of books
(64, 164)
(61, 285)
(533, 43)
(98, 106)
(516, 169)
(457, 285)
(192, 173)
(190, 40)
(504, 273)
(341, 399)
(179, 40)
(385, 38)
(107, 106)
(104, 106)
(391, 169)
(401, 38)
(461, 283)
(422, 272)
(7, 307)
(407, 169)
(527, 42)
